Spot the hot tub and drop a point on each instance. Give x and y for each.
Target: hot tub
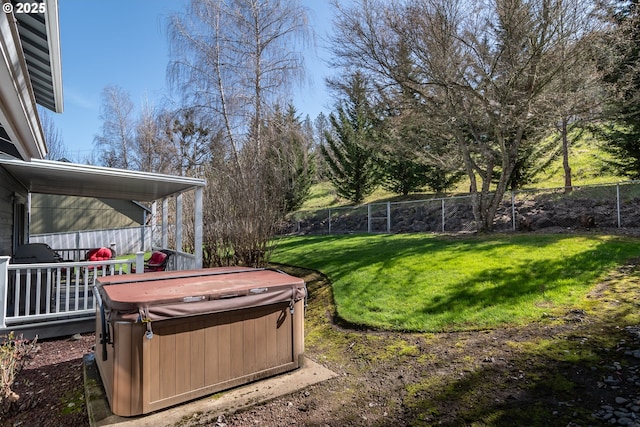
(165, 338)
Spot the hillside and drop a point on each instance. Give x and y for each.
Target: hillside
(586, 163)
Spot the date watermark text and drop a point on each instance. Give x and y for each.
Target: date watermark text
(26, 7)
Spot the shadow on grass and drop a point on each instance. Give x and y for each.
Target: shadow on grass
(543, 374)
(516, 281)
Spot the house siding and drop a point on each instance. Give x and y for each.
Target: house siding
(56, 214)
(9, 188)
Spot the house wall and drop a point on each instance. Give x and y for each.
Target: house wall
(10, 193)
(55, 214)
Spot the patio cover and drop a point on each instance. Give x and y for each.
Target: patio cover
(71, 179)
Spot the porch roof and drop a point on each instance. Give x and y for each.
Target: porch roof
(52, 177)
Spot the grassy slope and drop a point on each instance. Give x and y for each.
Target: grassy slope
(586, 163)
(425, 283)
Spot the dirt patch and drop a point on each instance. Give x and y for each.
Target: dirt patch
(578, 369)
(51, 386)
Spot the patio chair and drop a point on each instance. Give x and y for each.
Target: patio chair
(157, 262)
(98, 254)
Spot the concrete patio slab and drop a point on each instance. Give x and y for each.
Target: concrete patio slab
(220, 403)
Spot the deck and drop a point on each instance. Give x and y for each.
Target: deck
(56, 299)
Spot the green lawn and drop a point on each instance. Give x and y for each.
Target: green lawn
(421, 282)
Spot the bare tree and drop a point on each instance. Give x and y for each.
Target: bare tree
(234, 60)
(115, 144)
(56, 149)
(190, 138)
(146, 140)
(483, 71)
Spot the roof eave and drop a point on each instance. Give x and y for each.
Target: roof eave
(18, 112)
(55, 55)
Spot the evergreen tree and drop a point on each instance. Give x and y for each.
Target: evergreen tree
(290, 146)
(350, 150)
(415, 156)
(621, 66)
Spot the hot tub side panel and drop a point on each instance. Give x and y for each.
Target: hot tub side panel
(121, 371)
(195, 356)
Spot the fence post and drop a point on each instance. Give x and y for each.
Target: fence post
(4, 287)
(388, 217)
(443, 216)
(369, 218)
(513, 210)
(618, 203)
(329, 220)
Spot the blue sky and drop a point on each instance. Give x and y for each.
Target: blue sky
(124, 43)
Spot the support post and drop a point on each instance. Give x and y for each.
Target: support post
(154, 222)
(4, 288)
(139, 262)
(165, 223)
(179, 225)
(142, 230)
(198, 232)
(77, 256)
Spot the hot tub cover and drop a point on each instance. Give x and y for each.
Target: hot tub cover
(167, 295)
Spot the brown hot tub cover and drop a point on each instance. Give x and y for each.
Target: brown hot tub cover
(159, 296)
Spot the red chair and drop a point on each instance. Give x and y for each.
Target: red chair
(98, 254)
(157, 262)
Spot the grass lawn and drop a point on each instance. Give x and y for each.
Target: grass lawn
(418, 282)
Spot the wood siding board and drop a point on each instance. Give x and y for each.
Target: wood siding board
(283, 338)
(236, 345)
(211, 350)
(197, 356)
(167, 356)
(182, 357)
(154, 369)
(224, 347)
(136, 368)
(249, 346)
(261, 340)
(122, 368)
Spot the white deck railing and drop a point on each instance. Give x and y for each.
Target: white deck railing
(33, 293)
(51, 292)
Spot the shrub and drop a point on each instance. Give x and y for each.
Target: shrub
(13, 355)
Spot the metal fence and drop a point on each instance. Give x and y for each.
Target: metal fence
(591, 206)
